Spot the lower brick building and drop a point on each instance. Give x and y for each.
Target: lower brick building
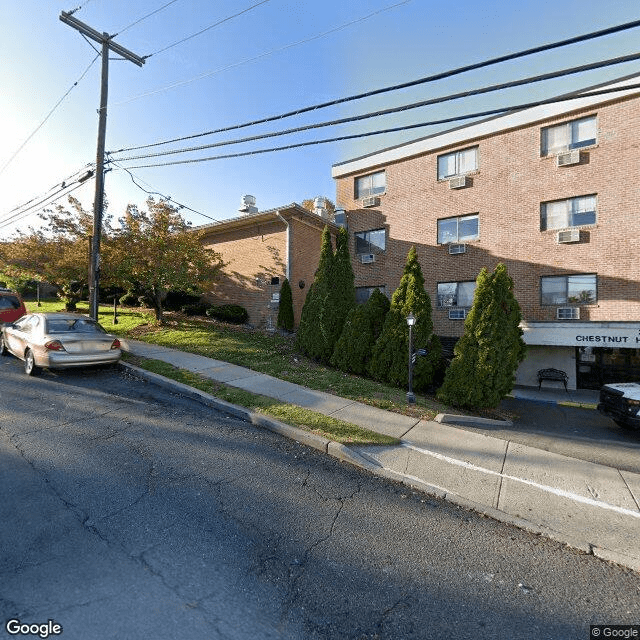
(262, 248)
(552, 191)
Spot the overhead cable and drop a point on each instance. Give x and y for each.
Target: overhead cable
(157, 193)
(21, 215)
(407, 107)
(480, 114)
(79, 177)
(75, 84)
(133, 24)
(432, 78)
(262, 55)
(235, 15)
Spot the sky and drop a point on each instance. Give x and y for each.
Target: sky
(216, 64)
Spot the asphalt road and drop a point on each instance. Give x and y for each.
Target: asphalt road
(571, 431)
(128, 513)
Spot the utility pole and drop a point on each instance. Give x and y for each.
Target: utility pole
(108, 45)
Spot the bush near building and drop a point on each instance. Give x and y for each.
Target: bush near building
(389, 359)
(285, 310)
(487, 356)
(232, 313)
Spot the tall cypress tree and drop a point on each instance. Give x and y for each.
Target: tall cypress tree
(311, 338)
(361, 330)
(488, 354)
(389, 360)
(285, 309)
(342, 294)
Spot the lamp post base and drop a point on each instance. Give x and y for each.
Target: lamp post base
(411, 397)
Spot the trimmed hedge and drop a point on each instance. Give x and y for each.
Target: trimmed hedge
(233, 313)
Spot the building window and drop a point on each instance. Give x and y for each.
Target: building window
(456, 294)
(364, 293)
(568, 135)
(579, 289)
(459, 229)
(374, 241)
(457, 163)
(562, 214)
(371, 185)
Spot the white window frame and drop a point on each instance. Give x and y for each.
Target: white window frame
(571, 133)
(562, 293)
(458, 238)
(441, 298)
(371, 248)
(456, 161)
(364, 186)
(567, 212)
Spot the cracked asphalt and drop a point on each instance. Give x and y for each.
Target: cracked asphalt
(130, 513)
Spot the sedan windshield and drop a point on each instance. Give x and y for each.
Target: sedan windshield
(80, 325)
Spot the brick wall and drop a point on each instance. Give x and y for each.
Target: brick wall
(506, 191)
(257, 252)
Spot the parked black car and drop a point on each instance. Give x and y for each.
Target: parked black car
(621, 403)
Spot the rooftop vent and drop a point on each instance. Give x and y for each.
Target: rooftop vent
(248, 204)
(320, 207)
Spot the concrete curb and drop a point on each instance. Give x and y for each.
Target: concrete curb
(345, 454)
(451, 418)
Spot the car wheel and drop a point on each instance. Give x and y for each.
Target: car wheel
(30, 367)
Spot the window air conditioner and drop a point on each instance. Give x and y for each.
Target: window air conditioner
(457, 248)
(459, 182)
(571, 235)
(568, 158)
(568, 313)
(457, 314)
(371, 202)
(367, 258)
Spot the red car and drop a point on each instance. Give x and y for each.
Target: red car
(11, 306)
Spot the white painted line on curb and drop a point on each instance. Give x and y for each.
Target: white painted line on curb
(559, 492)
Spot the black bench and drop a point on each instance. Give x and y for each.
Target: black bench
(553, 374)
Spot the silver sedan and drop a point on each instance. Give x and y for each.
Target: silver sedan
(58, 341)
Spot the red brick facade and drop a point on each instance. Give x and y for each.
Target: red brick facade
(506, 190)
(257, 253)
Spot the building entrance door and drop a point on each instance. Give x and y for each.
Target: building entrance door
(598, 366)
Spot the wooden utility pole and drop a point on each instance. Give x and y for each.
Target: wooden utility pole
(108, 45)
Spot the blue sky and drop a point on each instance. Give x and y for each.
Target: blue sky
(275, 57)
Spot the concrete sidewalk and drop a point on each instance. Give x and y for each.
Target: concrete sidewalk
(587, 506)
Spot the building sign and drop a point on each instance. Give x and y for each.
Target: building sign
(592, 334)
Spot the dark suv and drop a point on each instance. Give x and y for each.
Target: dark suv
(11, 306)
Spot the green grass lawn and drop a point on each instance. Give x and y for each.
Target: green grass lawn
(260, 351)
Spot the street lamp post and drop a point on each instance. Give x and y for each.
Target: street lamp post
(411, 397)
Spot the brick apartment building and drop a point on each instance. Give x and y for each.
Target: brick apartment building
(261, 249)
(552, 191)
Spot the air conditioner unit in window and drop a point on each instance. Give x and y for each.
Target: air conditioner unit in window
(568, 158)
(457, 248)
(370, 202)
(457, 314)
(568, 313)
(367, 258)
(571, 235)
(459, 182)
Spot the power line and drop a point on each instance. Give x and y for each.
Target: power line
(163, 196)
(425, 80)
(489, 112)
(71, 88)
(235, 15)
(264, 54)
(133, 24)
(61, 193)
(415, 105)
